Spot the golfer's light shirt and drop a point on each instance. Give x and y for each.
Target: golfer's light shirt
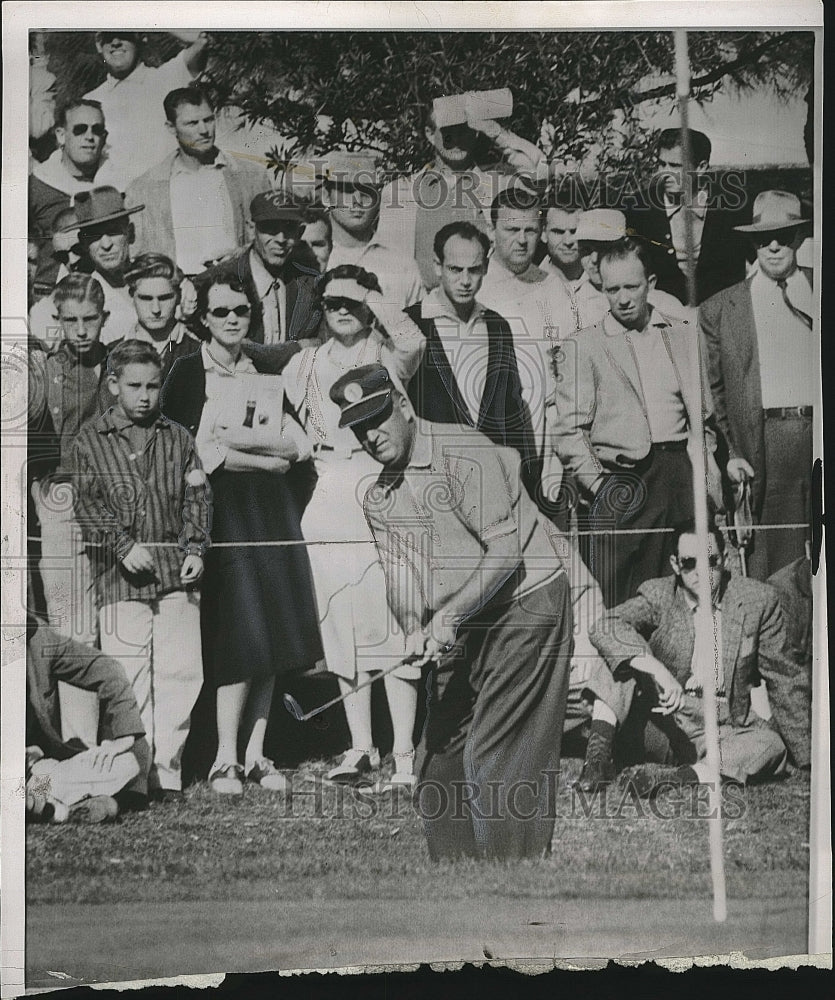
(272, 293)
(466, 345)
(201, 212)
(434, 522)
(788, 349)
(137, 136)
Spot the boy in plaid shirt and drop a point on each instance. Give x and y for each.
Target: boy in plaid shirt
(139, 483)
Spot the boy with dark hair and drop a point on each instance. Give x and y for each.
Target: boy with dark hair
(143, 499)
(154, 283)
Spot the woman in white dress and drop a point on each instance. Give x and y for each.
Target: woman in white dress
(359, 634)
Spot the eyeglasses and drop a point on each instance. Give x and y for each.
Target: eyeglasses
(221, 312)
(83, 127)
(333, 303)
(688, 563)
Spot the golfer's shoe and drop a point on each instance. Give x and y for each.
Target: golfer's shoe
(354, 766)
(227, 779)
(96, 809)
(265, 774)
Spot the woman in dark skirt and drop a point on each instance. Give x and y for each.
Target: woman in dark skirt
(258, 613)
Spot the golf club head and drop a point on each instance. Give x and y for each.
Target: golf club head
(293, 707)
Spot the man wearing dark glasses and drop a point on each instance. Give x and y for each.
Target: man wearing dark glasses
(763, 358)
(77, 165)
(659, 636)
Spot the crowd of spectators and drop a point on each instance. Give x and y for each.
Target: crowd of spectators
(439, 428)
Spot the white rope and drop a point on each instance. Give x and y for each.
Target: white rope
(366, 541)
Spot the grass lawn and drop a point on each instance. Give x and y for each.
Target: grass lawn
(338, 845)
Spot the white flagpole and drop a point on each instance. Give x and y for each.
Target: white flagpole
(710, 667)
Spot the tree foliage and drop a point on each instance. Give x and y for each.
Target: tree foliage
(369, 89)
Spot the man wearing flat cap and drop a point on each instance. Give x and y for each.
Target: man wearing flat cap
(101, 223)
(197, 199)
(351, 193)
(479, 589)
(763, 350)
(288, 309)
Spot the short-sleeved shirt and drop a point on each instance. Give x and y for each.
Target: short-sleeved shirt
(137, 138)
(433, 523)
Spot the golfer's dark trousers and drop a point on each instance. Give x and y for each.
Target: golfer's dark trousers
(656, 493)
(490, 754)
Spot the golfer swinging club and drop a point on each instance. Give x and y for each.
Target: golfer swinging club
(475, 583)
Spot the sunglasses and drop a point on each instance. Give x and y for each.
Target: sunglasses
(333, 303)
(290, 228)
(688, 563)
(82, 128)
(785, 237)
(221, 312)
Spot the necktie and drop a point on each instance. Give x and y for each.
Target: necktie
(801, 315)
(279, 332)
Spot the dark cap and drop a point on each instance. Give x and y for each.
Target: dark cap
(275, 206)
(362, 393)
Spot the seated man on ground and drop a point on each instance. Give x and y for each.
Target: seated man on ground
(661, 634)
(66, 779)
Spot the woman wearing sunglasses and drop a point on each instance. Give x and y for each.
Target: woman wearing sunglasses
(258, 614)
(355, 623)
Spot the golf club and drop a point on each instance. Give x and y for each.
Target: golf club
(295, 709)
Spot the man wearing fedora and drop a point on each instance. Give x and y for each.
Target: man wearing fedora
(132, 93)
(351, 193)
(104, 233)
(197, 199)
(763, 354)
(481, 593)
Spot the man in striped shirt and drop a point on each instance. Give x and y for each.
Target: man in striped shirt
(143, 501)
